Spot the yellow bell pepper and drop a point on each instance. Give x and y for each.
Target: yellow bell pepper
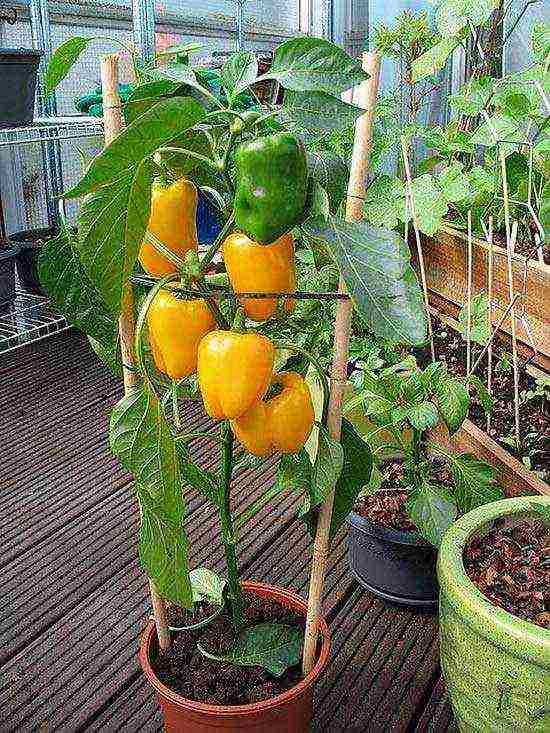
(280, 423)
(172, 222)
(254, 267)
(234, 371)
(176, 326)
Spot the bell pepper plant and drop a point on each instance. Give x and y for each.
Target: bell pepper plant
(199, 332)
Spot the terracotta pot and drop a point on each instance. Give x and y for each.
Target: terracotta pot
(496, 666)
(290, 712)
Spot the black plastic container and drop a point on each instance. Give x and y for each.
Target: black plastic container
(18, 72)
(30, 243)
(8, 252)
(396, 566)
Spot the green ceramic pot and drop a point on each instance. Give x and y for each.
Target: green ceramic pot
(496, 666)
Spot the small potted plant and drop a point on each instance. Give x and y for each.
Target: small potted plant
(493, 570)
(235, 660)
(418, 489)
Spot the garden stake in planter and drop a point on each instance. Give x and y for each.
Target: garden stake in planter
(366, 97)
(490, 264)
(113, 123)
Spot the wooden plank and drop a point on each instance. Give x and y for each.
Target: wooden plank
(437, 716)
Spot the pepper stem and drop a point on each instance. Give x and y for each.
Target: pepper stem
(239, 320)
(235, 599)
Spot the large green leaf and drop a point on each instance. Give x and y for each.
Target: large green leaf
(423, 415)
(112, 222)
(239, 71)
(356, 473)
(294, 472)
(142, 440)
(432, 511)
(497, 128)
(324, 474)
(430, 205)
(318, 111)
(474, 480)
(65, 280)
(453, 15)
(375, 266)
(480, 324)
(162, 124)
(434, 59)
(275, 647)
(384, 203)
(330, 172)
(201, 479)
(314, 64)
(540, 41)
(62, 61)
(207, 585)
(145, 96)
(453, 400)
(453, 182)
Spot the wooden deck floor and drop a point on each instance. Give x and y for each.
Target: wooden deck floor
(74, 600)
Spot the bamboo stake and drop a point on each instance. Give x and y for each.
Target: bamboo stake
(113, 123)
(365, 97)
(510, 246)
(490, 266)
(469, 297)
(412, 209)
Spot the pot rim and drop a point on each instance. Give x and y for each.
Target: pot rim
(397, 536)
(220, 711)
(470, 603)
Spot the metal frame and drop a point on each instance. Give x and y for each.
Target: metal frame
(30, 318)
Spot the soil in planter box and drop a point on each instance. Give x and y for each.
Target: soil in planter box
(511, 567)
(184, 669)
(450, 348)
(178, 616)
(386, 506)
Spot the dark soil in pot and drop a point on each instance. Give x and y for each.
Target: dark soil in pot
(534, 451)
(510, 565)
(186, 671)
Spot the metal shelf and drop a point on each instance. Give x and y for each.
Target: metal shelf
(45, 129)
(30, 318)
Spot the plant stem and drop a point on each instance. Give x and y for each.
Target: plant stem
(235, 594)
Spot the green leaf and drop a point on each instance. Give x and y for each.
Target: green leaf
(453, 401)
(65, 280)
(202, 480)
(163, 124)
(540, 41)
(434, 59)
(544, 211)
(486, 400)
(314, 64)
(432, 511)
(474, 480)
(112, 222)
(62, 60)
(318, 203)
(330, 171)
(239, 71)
(110, 356)
(356, 473)
(324, 474)
(423, 416)
(142, 440)
(318, 111)
(207, 586)
(384, 203)
(275, 647)
(375, 266)
(473, 97)
(294, 472)
(453, 15)
(146, 96)
(498, 127)
(430, 204)
(453, 182)
(480, 324)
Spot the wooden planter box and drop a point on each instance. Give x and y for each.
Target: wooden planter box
(446, 264)
(511, 474)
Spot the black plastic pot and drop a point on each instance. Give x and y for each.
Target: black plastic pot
(8, 252)
(30, 242)
(396, 566)
(18, 72)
